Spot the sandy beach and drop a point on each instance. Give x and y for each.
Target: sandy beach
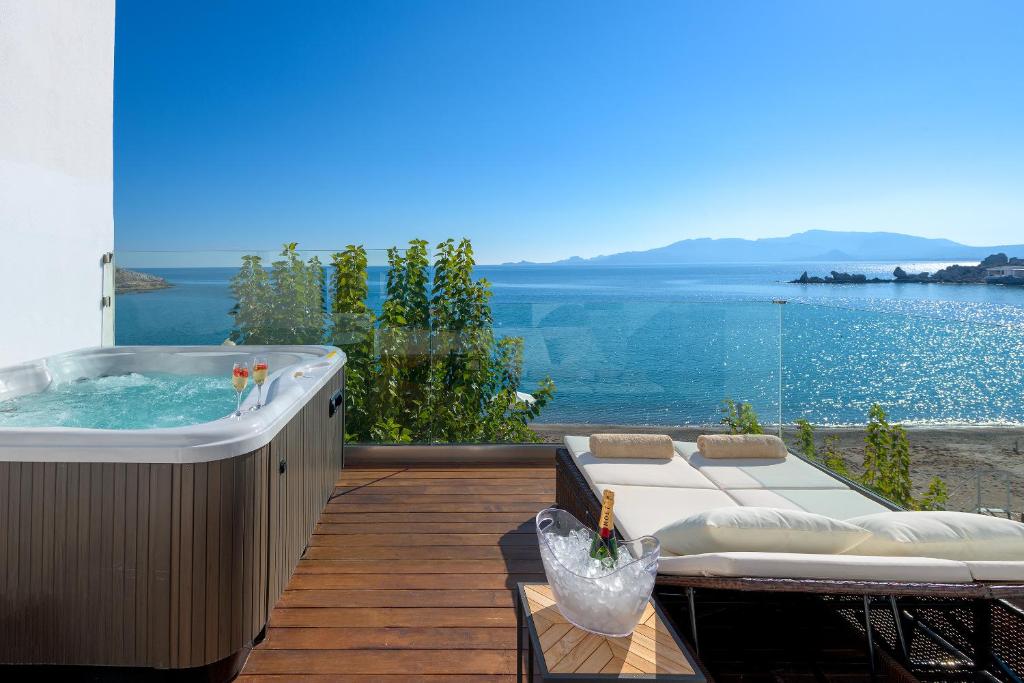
(956, 454)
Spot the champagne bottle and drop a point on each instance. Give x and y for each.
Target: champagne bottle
(604, 547)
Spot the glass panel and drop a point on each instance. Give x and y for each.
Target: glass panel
(185, 297)
(955, 386)
(614, 364)
(627, 365)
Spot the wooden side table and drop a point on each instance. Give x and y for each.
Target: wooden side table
(564, 652)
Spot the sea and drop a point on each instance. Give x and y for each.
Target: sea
(666, 345)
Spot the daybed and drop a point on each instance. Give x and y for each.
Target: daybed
(951, 613)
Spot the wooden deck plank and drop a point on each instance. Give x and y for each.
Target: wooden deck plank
(412, 502)
(303, 662)
(450, 472)
(362, 605)
(412, 581)
(351, 617)
(377, 678)
(389, 637)
(359, 526)
(352, 506)
(440, 518)
(398, 481)
(428, 540)
(395, 598)
(441, 552)
(432, 566)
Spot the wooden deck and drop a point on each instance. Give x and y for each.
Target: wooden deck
(410, 577)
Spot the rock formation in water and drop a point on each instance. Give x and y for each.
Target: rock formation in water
(132, 281)
(836, 278)
(955, 274)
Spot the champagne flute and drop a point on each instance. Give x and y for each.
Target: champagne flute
(260, 368)
(239, 378)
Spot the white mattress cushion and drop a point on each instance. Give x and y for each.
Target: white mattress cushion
(757, 529)
(827, 567)
(992, 570)
(674, 472)
(949, 535)
(642, 510)
(836, 503)
(759, 473)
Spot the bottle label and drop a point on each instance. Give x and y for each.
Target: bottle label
(605, 521)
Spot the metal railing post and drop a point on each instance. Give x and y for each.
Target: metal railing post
(780, 303)
(107, 300)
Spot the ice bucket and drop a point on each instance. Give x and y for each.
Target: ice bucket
(604, 600)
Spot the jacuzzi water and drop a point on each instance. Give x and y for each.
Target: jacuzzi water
(129, 401)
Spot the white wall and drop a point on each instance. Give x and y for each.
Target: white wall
(56, 173)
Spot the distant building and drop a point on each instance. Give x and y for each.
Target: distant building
(1005, 271)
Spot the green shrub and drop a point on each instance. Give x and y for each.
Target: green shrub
(428, 368)
(887, 465)
(936, 497)
(886, 461)
(829, 456)
(740, 418)
(285, 306)
(805, 440)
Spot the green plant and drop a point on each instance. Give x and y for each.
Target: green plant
(895, 478)
(253, 298)
(936, 497)
(427, 368)
(877, 444)
(474, 378)
(740, 418)
(832, 458)
(353, 329)
(805, 439)
(829, 456)
(887, 465)
(285, 306)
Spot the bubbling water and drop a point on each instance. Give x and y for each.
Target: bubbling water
(130, 401)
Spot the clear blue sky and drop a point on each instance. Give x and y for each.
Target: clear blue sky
(548, 129)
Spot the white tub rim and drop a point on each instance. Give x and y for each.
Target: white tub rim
(220, 439)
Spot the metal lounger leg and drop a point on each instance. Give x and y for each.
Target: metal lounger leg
(898, 618)
(519, 639)
(871, 637)
(529, 660)
(691, 597)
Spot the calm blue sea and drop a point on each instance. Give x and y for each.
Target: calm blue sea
(665, 344)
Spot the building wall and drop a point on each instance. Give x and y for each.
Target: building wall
(56, 173)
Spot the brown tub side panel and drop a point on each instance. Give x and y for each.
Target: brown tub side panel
(158, 565)
(306, 448)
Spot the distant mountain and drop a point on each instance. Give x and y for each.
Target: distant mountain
(812, 245)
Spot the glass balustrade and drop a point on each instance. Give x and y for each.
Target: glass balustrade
(511, 367)
(955, 386)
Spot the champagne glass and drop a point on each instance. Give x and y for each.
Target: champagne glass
(260, 368)
(239, 378)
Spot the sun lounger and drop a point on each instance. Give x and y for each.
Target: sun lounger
(651, 494)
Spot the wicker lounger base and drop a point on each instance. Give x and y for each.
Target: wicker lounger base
(933, 628)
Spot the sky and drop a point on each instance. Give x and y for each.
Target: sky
(543, 130)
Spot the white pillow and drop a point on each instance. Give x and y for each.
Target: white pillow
(757, 529)
(944, 535)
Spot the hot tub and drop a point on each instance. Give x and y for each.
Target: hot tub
(125, 542)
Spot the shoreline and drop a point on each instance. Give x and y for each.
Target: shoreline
(957, 453)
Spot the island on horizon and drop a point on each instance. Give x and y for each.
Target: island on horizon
(810, 246)
(995, 269)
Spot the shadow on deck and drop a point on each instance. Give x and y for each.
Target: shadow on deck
(409, 576)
